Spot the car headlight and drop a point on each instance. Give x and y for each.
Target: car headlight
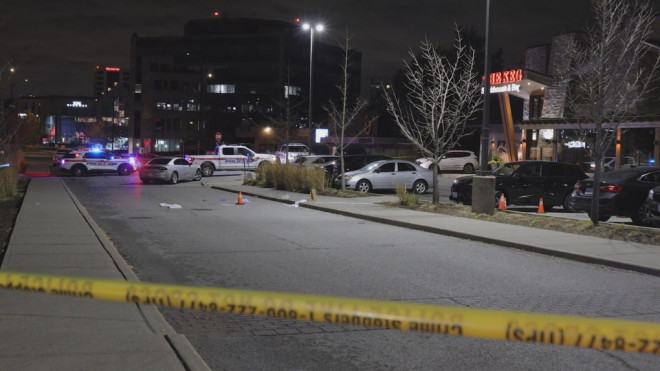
(650, 194)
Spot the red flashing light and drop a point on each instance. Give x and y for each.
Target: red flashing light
(217, 14)
(297, 20)
(113, 69)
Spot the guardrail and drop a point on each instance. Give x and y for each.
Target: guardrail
(573, 331)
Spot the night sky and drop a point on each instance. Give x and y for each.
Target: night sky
(57, 44)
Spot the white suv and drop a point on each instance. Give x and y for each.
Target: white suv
(294, 151)
(79, 163)
(454, 160)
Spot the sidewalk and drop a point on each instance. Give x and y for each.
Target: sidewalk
(54, 235)
(638, 257)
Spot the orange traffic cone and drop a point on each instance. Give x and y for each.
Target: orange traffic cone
(540, 209)
(502, 204)
(240, 198)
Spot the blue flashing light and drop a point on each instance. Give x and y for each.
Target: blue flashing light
(652, 161)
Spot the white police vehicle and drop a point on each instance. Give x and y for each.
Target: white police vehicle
(79, 163)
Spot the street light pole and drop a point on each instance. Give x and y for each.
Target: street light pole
(483, 185)
(485, 131)
(318, 27)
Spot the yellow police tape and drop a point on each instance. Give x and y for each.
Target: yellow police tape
(607, 334)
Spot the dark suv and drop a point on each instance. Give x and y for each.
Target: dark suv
(525, 182)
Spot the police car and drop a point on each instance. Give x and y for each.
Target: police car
(79, 163)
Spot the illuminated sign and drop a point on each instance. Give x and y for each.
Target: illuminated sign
(76, 104)
(575, 144)
(112, 69)
(503, 88)
(506, 77)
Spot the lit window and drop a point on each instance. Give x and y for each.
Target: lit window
(221, 89)
(291, 90)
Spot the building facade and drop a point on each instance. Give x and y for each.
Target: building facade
(228, 76)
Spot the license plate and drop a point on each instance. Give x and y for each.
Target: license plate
(454, 194)
(588, 191)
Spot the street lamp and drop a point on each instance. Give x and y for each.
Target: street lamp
(319, 28)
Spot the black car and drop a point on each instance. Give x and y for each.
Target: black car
(622, 193)
(525, 182)
(652, 206)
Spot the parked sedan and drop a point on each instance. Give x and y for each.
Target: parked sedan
(169, 169)
(652, 206)
(457, 160)
(622, 193)
(525, 183)
(388, 174)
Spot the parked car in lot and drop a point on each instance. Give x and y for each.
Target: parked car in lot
(351, 162)
(622, 193)
(293, 150)
(315, 160)
(169, 169)
(610, 162)
(388, 174)
(652, 206)
(455, 160)
(525, 182)
(59, 154)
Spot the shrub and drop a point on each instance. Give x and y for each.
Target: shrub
(8, 181)
(294, 178)
(405, 198)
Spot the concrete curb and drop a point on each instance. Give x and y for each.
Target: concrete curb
(189, 357)
(462, 235)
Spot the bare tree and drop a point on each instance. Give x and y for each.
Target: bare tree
(343, 114)
(606, 76)
(443, 93)
(286, 117)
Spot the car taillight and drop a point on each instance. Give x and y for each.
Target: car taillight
(576, 186)
(161, 168)
(611, 188)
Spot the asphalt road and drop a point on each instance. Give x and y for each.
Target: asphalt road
(266, 245)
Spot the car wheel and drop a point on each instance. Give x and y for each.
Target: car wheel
(604, 218)
(363, 186)
(198, 175)
(124, 170)
(207, 170)
(642, 216)
(468, 168)
(78, 170)
(420, 187)
(146, 181)
(567, 207)
(174, 179)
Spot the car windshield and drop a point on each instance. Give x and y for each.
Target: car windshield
(506, 169)
(371, 166)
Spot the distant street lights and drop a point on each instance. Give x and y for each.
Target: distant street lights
(319, 28)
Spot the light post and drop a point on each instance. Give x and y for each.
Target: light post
(485, 131)
(318, 27)
(483, 185)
